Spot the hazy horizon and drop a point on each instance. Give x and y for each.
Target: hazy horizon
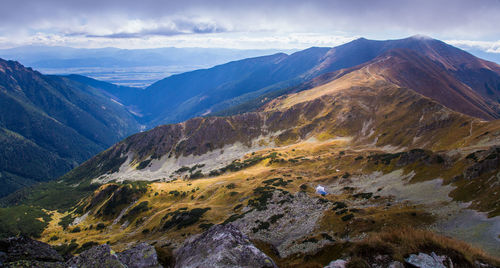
(275, 24)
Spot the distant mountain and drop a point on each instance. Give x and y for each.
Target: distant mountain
(50, 124)
(246, 84)
(131, 67)
(67, 57)
(480, 53)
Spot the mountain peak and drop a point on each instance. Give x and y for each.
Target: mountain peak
(420, 37)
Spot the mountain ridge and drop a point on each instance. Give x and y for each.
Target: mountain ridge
(54, 116)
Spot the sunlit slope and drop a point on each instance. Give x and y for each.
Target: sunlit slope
(387, 156)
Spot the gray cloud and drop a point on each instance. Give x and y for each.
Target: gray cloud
(118, 19)
(177, 27)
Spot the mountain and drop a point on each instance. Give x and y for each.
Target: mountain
(353, 164)
(247, 84)
(432, 68)
(373, 152)
(50, 124)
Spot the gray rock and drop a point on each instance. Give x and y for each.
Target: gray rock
(26, 249)
(337, 264)
(3, 258)
(221, 246)
(301, 214)
(96, 257)
(423, 260)
(140, 256)
(479, 264)
(34, 264)
(395, 264)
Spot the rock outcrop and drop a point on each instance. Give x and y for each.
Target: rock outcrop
(337, 264)
(26, 252)
(23, 251)
(140, 256)
(98, 256)
(423, 260)
(221, 246)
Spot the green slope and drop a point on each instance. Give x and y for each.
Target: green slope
(50, 124)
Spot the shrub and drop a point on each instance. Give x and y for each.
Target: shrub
(182, 219)
(141, 207)
(86, 246)
(196, 175)
(66, 221)
(143, 164)
(262, 226)
(100, 226)
(205, 226)
(66, 249)
(347, 217)
(275, 218)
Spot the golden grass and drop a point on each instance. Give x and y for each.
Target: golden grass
(318, 160)
(401, 242)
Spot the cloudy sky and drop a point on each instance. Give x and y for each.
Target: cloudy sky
(244, 24)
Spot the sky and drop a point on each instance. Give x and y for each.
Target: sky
(282, 24)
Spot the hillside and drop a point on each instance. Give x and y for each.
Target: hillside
(387, 157)
(245, 85)
(430, 66)
(371, 157)
(50, 124)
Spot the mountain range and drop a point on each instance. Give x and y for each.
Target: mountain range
(307, 154)
(232, 88)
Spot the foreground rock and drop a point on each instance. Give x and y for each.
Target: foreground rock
(98, 256)
(423, 260)
(23, 251)
(337, 264)
(26, 252)
(140, 256)
(221, 246)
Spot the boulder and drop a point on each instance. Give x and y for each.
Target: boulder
(96, 257)
(337, 264)
(221, 246)
(396, 264)
(22, 248)
(423, 260)
(34, 264)
(140, 256)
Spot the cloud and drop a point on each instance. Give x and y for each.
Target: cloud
(21, 20)
(171, 28)
(487, 46)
